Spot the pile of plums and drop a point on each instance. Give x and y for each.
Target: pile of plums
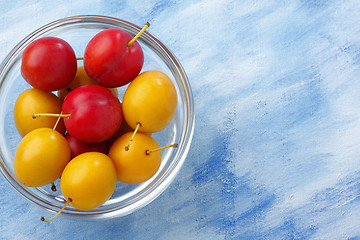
(74, 126)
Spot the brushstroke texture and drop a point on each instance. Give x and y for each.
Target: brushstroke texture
(275, 153)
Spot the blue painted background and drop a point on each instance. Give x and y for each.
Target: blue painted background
(276, 149)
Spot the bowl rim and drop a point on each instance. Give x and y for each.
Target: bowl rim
(184, 146)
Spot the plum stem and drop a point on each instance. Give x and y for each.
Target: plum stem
(53, 187)
(49, 115)
(48, 220)
(132, 137)
(57, 121)
(147, 152)
(138, 35)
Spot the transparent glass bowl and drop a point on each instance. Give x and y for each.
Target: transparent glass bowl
(78, 31)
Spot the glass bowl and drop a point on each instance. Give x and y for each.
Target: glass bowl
(127, 198)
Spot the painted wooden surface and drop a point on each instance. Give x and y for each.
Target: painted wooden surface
(275, 152)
